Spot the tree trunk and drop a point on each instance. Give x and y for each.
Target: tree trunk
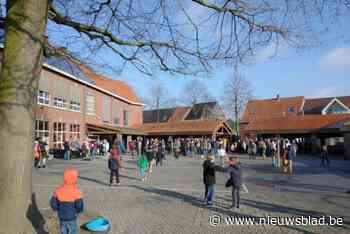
(21, 67)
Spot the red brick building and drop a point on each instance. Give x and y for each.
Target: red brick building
(74, 102)
(317, 120)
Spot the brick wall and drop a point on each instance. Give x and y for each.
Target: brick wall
(53, 114)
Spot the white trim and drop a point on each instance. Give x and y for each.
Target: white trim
(90, 85)
(324, 111)
(301, 110)
(40, 104)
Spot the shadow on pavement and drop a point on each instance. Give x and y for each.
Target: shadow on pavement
(198, 203)
(35, 217)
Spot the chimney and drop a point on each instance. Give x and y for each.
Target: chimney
(277, 97)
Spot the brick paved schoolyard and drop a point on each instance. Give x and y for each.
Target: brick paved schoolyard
(170, 202)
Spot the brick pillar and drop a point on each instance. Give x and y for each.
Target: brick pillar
(347, 145)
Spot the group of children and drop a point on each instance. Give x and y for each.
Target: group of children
(209, 180)
(68, 202)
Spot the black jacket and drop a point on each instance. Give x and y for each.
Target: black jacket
(236, 175)
(209, 169)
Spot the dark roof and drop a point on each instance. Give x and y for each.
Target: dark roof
(316, 105)
(200, 110)
(151, 116)
(69, 67)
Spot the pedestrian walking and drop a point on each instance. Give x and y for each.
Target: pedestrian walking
(44, 153)
(66, 147)
(235, 181)
(36, 153)
(67, 201)
(114, 164)
(324, 156)
(209, 169)
(142, 164)
(274, 154)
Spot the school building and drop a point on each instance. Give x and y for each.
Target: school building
(313, 122)
(76, 103)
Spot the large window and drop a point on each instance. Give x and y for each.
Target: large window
(59, 102)
(42, 129)
(59, 134)
(75, 131)
(106, 109)
(43, 97)
(90, 103)
(116, 112)
(74, 106)
(126, 118)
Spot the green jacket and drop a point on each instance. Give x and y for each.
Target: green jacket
(142, 162)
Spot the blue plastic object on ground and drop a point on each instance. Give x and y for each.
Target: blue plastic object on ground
(99, 224)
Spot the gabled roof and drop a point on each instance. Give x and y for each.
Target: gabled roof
(272, 108)
(301, 123)
(316, 105)
(118, 87)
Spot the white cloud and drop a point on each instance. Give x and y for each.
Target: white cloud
(273, 50)
(329, 91)
(336, 60)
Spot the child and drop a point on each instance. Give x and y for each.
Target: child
(67, 200)
(142, 163)
(114, 164)
(285, 162)
(235, 180)
(209, 169)
(36, 153)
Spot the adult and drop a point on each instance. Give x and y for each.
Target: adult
(291, 155)
(66, 147)
(85, 149)
(44, 154)
(274, 153)
(139, 146)
(222, 152)
(324, 155)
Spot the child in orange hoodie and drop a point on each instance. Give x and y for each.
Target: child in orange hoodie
(67, 200)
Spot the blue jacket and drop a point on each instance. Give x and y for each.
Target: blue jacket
(235, 174)
(112, 164)
(67, 200)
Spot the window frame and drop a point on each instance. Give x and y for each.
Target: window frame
(61, 101)
(44, 98)
(44, 131)
(74, 106)
(59, 134)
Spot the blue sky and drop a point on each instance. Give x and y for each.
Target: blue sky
(322, 70)
(318, 71)
(315, 72)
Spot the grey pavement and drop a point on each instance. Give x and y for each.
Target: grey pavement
(171, 200)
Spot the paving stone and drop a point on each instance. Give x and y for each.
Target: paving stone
(170, 201)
